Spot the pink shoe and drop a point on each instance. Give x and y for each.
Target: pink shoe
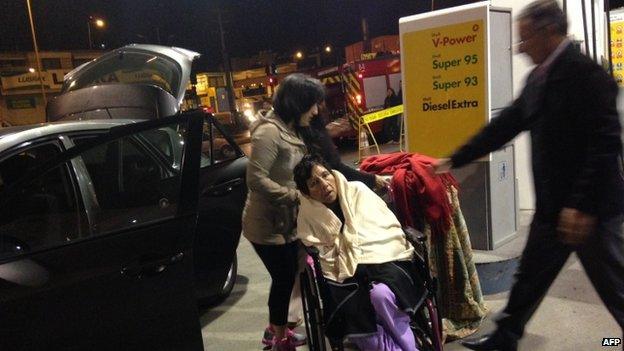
(297, 339)
(283, 345)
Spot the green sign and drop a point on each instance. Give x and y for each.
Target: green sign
(20, 103)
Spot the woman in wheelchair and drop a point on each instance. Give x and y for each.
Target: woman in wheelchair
(366, 261)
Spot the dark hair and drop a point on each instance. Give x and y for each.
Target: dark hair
(303, 171)
(316, 137)
(296, 94)
(543, 13)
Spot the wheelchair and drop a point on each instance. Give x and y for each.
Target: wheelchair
(426, 322)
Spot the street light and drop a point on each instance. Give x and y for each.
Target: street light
(99, 23)
(328, 49)
(299, 55)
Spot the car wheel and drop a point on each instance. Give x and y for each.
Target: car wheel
(230, 280)
(206, 296)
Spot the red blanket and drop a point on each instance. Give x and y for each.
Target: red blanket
(416, 187)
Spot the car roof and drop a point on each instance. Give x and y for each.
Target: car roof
(12, 136)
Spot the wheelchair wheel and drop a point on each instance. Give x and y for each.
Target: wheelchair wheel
(312, 312)
(426, 328)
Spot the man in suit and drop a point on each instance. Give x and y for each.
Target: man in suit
(569, 106)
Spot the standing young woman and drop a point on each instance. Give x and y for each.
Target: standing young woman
(318, 142)
(269, 214)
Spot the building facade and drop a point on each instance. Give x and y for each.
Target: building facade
(21, 99)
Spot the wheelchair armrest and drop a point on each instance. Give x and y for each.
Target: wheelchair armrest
(414, 236)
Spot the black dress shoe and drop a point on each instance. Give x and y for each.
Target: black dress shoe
(492, 342)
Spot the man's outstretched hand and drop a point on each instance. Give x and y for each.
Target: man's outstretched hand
(442, 165)
(381, 182)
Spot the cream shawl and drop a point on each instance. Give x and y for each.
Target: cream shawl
(371, 232)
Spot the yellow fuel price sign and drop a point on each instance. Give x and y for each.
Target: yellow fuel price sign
(617, 46)
(445, 85)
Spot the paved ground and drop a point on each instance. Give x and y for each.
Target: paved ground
(571, 317)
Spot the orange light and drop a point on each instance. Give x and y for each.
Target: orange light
(358, 99)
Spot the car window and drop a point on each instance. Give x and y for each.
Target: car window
(167, 141)
(132, 68)
(41, 213)
(215, 146)
(134, 182)
(160, 139)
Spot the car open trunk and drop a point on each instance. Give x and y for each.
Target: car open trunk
(112, 101)
(134, 81)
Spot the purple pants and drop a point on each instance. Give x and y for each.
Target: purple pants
(393, 330)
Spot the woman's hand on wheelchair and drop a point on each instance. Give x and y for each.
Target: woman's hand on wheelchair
(381, 182)
(414, 236)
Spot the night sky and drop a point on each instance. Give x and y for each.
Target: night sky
(282, 26)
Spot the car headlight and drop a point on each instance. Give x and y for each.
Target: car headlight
(250, 115)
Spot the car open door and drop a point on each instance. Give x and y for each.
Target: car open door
(96, 257)
(223, 191)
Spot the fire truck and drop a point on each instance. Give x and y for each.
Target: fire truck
(358, 88)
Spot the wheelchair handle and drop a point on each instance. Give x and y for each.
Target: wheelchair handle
(414, 235)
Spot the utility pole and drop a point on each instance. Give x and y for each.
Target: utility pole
(226, 65)
(34, 37)
(89, 33)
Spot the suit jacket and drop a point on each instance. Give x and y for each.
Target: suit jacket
(575, 137)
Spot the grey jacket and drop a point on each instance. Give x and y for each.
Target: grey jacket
(270, 210)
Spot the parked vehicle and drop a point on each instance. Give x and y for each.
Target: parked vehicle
(149, 82)
(357, 88)
(97, 231)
